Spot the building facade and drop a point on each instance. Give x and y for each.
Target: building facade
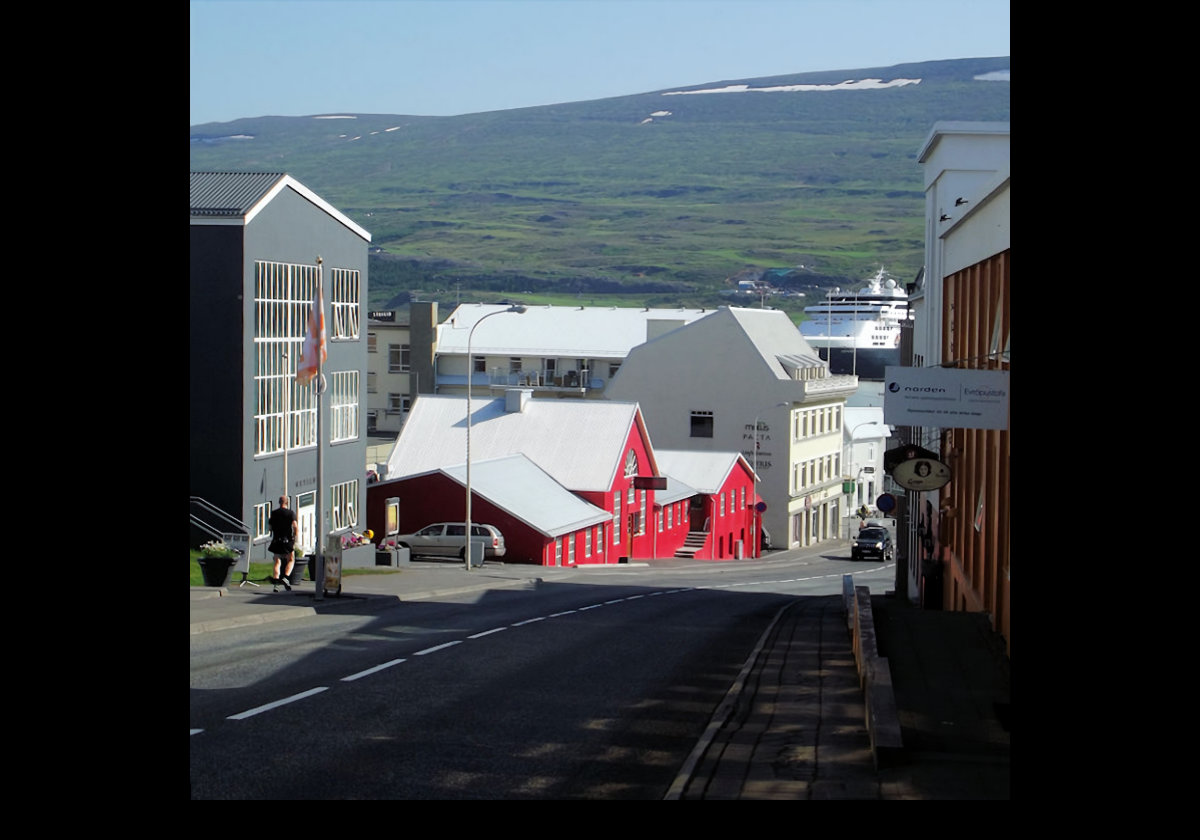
(261, 243)
(567, 481)
(963, 321)
(745, 380)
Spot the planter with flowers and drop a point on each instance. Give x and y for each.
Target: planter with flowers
(357, 551)
(390, 554)
(216, 562)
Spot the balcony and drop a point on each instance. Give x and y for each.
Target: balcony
(572, 381)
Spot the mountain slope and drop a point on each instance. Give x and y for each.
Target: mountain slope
(666, 193)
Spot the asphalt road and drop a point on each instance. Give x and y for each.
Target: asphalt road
(595, 690)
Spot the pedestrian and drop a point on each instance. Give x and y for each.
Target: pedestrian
(284, 530)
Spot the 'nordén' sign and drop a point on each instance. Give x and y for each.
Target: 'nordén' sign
(945, 397)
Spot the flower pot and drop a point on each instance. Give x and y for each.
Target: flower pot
(216, 570)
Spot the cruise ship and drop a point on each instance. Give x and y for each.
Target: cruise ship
(860, 328)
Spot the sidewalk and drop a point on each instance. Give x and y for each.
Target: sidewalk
(793, 726)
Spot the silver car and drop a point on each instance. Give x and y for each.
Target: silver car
(445, 539)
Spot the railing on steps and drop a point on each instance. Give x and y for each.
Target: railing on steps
(234, 532)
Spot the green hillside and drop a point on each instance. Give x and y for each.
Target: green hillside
(602, 198)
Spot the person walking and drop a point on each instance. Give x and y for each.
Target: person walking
(284, 530)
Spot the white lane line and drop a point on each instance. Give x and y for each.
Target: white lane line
(197, 731)
(592, 607)
(564, 612)
(530, 621)
(438, 647)
(277, 703)
(487, 633)
(370, 671)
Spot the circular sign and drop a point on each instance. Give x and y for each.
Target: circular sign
(760, 507)
(886, 502)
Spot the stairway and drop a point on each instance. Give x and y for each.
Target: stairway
(694, 541)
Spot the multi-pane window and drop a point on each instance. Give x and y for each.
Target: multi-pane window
(558, 551)
(283, 295)
(398, 358)
(343, 505)
(343, 406)
(722, 504)
(371, 388)
(395, 403)
(570, 549)
(262, 521)
(479, 364)
(371, 344)
(670, 508)
(587, 543)
(702, 424)
(344, 304)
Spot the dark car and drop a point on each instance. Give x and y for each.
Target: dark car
(873, 543)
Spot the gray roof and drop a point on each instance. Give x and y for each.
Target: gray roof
(518, 486)
(240, 195)
(776, 339)
(579, 443)
(584, 332)
(705, 471)
(230, 193)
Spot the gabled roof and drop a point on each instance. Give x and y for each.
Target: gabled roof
(584, 332)
(579, 443)
(705, 471)
(776, 339)
(519, 487)
(239, 196)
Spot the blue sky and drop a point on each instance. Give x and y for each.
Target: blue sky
(252, 58)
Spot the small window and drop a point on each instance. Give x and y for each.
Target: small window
(702, 424)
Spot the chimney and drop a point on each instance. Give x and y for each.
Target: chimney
(515, 399)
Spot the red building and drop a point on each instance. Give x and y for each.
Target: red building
(567, 481)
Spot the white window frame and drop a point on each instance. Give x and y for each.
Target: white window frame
(343, 505)
(343, 406)
(344, 304)
(262, 522)
(283, 295)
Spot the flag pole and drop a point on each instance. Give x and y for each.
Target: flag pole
(320, 596)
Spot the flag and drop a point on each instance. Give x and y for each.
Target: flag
(314, 351)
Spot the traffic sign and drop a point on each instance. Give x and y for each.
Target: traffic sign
(886, 502)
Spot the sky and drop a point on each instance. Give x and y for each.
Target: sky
(253, 58)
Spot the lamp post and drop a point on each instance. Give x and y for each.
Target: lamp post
(829, 326)
(518, 310)
(757, 517)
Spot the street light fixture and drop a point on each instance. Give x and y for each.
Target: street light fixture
(516, 309)
(757, 516)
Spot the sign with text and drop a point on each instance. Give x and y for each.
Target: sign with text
(948, 398)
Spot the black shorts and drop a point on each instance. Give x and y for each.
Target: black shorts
(280, 547)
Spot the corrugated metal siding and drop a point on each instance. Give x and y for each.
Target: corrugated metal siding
(229, 193)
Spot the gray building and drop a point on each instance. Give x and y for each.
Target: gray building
(256, 238)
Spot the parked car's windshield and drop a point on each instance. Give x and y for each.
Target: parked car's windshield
(872, 534)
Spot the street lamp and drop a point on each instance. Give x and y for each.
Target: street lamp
(829, 326)
(757, 517)
(518, 310)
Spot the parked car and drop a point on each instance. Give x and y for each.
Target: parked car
(873, 543)
(445, 539)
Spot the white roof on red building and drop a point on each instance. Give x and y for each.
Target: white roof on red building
(518, 486)
(579, 443)
(705, 471)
